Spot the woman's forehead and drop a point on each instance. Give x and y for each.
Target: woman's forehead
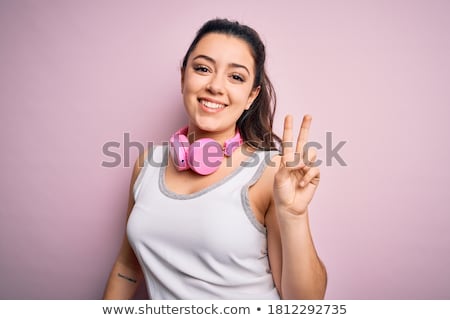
(224, 48)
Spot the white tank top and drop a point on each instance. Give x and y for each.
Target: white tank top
(204, 245)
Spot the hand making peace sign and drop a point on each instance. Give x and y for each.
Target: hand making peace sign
(296, 181)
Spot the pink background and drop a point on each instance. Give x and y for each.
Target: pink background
(77, 74)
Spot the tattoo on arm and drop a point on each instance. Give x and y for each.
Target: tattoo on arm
(126, 278)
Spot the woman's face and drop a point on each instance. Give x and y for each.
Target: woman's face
(217, 83)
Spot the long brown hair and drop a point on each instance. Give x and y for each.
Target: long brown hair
(255, 124)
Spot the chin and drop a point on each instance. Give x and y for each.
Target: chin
(205, 125)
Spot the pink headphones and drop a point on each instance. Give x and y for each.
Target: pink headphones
(203, 156)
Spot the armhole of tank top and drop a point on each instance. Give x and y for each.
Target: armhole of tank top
(155, 153)
(266, 159)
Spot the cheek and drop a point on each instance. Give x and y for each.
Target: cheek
(193, 82)
(242, 95)
(187, 84)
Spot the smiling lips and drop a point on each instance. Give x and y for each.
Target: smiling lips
(211, 106)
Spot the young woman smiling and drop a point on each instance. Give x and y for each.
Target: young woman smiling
(226, 217)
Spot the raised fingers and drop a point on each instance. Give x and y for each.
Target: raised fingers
(303, 134)
(295, 157)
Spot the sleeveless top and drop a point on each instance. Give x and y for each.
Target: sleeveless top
(204, 245)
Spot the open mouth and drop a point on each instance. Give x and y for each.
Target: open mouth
(212, 105)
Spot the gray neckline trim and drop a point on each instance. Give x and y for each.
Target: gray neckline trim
(174, 195)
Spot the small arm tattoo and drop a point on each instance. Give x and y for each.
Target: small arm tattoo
(126, 278)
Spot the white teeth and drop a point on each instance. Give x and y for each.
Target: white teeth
(212, 105)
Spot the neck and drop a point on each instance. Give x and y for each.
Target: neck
(219, 136)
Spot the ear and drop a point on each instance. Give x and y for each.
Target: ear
(253, 94)
(182, 79)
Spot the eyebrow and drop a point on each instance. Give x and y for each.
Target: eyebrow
(234, 65)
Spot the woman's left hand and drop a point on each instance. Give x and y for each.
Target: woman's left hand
(297, 177)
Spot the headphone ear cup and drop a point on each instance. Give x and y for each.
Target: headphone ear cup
(179, 148)
(205, 156)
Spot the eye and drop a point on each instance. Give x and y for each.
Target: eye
(237, 77)
(201, 68)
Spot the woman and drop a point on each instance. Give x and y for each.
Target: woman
(203, 227)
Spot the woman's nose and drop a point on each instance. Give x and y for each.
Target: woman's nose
(215, 85)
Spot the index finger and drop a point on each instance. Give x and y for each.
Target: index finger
(303, 134)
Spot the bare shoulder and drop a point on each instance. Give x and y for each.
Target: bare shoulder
(261, 192)
(271, 167)
(139, 164)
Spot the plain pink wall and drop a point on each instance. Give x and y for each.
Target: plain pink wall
(77, 74)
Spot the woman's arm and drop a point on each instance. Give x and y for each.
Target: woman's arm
(126, 274)
(297, 270)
